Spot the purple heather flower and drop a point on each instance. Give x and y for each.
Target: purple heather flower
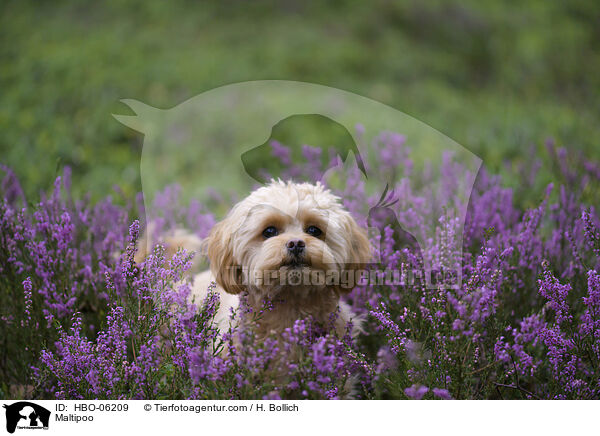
(416, 392)
(281, 152)
(441, 393)
(528, 308)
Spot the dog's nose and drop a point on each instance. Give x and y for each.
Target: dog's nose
(295, 246)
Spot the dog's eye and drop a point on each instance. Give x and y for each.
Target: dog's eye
(314, 231)
(269, 232)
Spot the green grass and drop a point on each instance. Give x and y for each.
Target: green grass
(497, 77)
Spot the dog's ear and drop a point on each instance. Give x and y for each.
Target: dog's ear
(218, 246)
(359, 251)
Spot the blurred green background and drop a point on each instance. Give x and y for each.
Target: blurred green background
(497, 77)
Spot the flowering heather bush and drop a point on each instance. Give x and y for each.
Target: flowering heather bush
(80, 319)
(53, 260)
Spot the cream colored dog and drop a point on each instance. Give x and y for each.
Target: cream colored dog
(289, 245)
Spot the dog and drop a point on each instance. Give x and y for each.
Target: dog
(286, 245)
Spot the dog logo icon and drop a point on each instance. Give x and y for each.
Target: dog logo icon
(263, 129)
(26, 415)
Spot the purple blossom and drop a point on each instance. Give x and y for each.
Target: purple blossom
(441, 393)
(416, 392)
(524, 324)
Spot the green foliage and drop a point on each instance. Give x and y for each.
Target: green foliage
(494, 76)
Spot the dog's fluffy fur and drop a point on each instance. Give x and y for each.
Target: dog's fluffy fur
(244, 260)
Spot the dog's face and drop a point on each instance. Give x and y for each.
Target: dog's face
(286, 236)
